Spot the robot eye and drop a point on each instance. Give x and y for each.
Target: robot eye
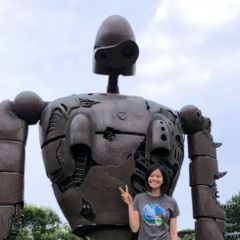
(129, 52)
(103, 56)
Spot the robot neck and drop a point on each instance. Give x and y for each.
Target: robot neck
(113, 84)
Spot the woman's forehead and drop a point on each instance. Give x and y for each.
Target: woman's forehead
(156, 172)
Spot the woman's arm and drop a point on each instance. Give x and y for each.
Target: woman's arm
(173, 229)
(132, 214)
(133, 218)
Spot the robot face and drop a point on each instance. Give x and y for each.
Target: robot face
(119, 57)
(115, 48)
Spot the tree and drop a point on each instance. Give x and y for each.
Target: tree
(41, 223)
(233, 214)
(186, 234)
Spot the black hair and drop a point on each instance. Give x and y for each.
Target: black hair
(165, 185)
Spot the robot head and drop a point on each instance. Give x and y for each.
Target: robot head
(115, 49)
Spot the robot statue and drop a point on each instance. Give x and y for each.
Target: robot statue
(93, 143)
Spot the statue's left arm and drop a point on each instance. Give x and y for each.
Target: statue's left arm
(209, 215)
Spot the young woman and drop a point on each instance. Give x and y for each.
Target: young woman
(153, 213)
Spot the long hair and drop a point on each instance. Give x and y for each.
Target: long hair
(165, 185)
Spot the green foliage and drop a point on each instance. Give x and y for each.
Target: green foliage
(186, 234)
(187, 238)
(233, 214)
(40, 223)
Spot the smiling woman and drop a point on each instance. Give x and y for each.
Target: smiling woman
(153, 213)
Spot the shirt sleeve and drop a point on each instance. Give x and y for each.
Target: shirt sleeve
(174, 210)
(135, 203)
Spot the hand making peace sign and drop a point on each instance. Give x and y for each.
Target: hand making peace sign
(126, 196)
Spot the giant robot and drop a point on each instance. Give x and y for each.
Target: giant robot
(93, 143)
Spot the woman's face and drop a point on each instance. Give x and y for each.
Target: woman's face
(155, 179)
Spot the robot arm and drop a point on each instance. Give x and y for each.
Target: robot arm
(203, 173)
(14, 121)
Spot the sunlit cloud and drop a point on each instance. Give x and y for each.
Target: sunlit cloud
(180, 43)
(208, 12)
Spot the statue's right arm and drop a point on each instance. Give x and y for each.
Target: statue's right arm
(14, 120)
(13, 133)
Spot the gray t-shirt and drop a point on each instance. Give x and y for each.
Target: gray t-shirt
(155, 213)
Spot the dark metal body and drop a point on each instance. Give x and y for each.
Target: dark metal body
(94, 143)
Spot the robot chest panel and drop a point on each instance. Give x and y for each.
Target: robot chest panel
(113, 127)
(124, 114)
(120, 125)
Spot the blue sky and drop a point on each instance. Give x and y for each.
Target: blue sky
(189, 54)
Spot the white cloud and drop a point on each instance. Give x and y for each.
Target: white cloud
(174, 46)
(208, 12)
(198, 12)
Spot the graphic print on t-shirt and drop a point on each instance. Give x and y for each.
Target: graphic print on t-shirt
(152, 214)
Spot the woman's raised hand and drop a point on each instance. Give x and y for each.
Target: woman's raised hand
(126, 196)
